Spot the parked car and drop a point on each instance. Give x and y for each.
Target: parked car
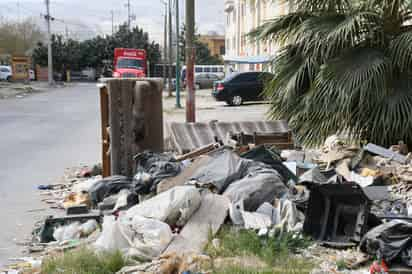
(205, 80)
(6, 73)
(241, 87)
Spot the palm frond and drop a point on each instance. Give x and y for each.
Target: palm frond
(280, 28)
(400, 51)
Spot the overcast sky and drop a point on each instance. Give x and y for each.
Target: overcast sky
(85, 18)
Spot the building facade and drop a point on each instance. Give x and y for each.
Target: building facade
(215, 43)
(242, 16)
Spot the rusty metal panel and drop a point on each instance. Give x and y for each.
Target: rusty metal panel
(186, 137)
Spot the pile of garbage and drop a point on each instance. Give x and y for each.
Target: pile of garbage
(342, 196)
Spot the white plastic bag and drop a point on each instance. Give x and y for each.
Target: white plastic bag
(68, 232)
(136, 236)
(173, 207)
(88, 227)
(111, 237)
(148, 238)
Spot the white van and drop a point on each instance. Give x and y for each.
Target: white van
(218, 70)
(6, 73)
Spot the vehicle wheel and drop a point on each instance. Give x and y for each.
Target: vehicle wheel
(236, 100)
(9, 79)
(197, 86)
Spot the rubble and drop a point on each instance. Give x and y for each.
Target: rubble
(352, 201)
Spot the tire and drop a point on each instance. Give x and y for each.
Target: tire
(8, 79)
(235, 100)
(197, 86)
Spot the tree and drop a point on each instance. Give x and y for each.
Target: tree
(203, 55)
(76, 55)
(19, 37)
(345, 67)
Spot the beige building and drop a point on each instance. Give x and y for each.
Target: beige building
(215, 43)
(242, 16)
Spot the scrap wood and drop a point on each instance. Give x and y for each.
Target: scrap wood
(207, 219)
(184, 176)
(198, 152)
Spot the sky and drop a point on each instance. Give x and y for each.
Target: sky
(84, 18)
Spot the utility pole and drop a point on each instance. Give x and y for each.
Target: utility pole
(170, 48)
(190, 61)
(49, 44)
(165, 46)
(112, 13)
(177, 56)
(128, 14)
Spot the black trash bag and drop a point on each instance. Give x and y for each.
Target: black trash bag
(109, 186)
(158, 165)
(390, 241)
(223, 168)
(260, 183)
(270, 157)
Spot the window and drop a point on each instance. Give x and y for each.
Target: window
(248, 77)
(222, 50)
(198, 69)
(214, 69)
(4, 70)
(220, 69)
(130, 63)
(206, 69)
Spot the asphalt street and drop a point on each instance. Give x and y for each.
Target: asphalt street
(41, 135)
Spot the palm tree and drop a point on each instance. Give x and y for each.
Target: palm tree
(344, 67)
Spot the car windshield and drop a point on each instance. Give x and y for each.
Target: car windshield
(130, 63)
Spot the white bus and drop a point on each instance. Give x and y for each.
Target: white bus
(219, 70)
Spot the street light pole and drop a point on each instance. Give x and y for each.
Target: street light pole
(177, 56)
(190, 61)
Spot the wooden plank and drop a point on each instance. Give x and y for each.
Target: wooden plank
(126, 103)
(104, 118)
(207, 219)
(184, 176)
(114, 87)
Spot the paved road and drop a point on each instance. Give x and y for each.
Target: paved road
(40, 136)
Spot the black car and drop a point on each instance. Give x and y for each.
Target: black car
(241, 87)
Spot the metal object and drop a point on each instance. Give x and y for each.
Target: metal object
(187, 137)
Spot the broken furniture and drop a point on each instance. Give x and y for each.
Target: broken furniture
(337, 213)
(132, 121)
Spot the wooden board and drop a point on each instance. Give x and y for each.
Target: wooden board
(184, 176)
(207, 219)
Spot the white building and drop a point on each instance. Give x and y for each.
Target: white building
(242, 16)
